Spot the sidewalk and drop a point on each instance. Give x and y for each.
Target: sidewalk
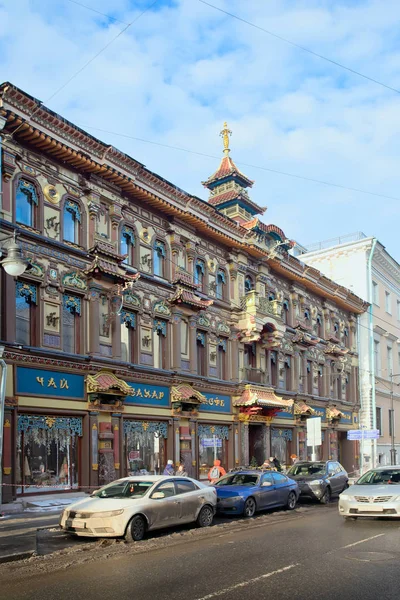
(40, 503)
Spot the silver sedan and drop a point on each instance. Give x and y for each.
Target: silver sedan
(375, 494)
(132, 506)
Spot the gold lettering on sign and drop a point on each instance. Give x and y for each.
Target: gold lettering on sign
(64, 384)
(52, 383)
(40, 380)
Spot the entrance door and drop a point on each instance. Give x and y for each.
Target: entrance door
(256, 444)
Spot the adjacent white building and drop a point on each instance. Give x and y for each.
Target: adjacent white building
(363, 265)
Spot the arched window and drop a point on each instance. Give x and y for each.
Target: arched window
(221, 285)
(128, 336)
(26, 203)
(199, 273)
(271, 296)
(286, 313)
(307, 314)
(71, 222)
(320, 329)
(127, 244)
(159, 256)
(248, 284)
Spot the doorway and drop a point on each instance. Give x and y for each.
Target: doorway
(256, 444)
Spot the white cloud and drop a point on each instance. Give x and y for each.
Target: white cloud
(184, 68)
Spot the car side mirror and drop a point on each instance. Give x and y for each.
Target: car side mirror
(266, 484)
(158, 496)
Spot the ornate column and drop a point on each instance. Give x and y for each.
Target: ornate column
(8, 168)
(193, 344)
(176, 340)
(116, 429)
(94, 318)
(327, 379)
(268, 367)
(94, 214)
(245, 443)
(175, 249)
(116, 333)
(9, 311)
(191, 255)
(94, 450)
(305, 373)
(233, 358)
(267, 440)
(8, 460)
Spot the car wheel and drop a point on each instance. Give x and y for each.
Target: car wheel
(136, 529)
(249, 508)
(291, 501)
(326, 498)
(205, 517)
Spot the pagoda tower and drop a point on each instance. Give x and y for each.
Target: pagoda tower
(229, 188)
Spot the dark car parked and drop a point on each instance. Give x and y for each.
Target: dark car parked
(319, 480)
(245, 492)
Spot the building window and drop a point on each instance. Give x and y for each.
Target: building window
(26, 306)
(286, 373)
(201, 338)
(375, 293)
(347, 387)
(248, 284)
(213, 445)
(320, 381)
(309, 377)
(221, 285)
(159, 256)
(222, 358)
(346, 337)
(274, 368)
(389, 360)
(320, 328)
(26, 203)
(127, 244)
(250, 356)
(48, 453)
(160, 344)
(377, 357)
(271, 296)
(391, 422)
(71, 222)
(184, 339)
(379, 420)
(71, 324)
(388, 303)
(307, 315)
(128, 336)
(200, 273)
(145, 446)
(286, 312)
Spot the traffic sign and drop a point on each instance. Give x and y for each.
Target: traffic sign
(314, 431)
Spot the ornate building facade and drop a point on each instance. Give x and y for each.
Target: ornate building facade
(153, 325)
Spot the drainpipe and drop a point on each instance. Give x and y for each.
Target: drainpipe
(3, 380)
(372, 401)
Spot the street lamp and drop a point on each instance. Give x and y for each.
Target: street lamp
(392, 436)
(14, 263)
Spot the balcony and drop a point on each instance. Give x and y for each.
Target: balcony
(253, 375)
(253, 302)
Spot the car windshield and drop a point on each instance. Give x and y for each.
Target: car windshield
(389, 476)
(124, 489)
(308, 469)
(238, 479)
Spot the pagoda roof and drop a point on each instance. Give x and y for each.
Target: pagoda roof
(182, 296)
(227, 168)
(260, 396)
(269, 229)
(238, 195)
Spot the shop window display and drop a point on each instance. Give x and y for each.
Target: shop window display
(213, 442)
(145, 447)
(48, 453)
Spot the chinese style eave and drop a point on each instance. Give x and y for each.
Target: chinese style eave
(261, 396)
(107, 383)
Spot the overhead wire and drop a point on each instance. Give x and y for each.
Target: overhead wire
(97, 11)
(89, 62)
(300, 47)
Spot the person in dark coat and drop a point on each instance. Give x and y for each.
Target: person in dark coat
(276, 463)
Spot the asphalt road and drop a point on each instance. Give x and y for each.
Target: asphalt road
(315, 556)
(18, 533)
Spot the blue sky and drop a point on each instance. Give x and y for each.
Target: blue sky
(184, 68)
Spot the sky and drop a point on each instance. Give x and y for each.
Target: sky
(183, 68)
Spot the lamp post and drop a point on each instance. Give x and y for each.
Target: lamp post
(14, 264)
(392, 433)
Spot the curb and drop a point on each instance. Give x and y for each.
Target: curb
(17, 556)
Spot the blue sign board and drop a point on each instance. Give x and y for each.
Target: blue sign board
(216, 403)
(284, 414)
(149, 395)
(319, 412)
(363, 434)
(347, 417)
(57, 384)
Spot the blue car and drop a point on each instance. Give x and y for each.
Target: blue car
(245, 492)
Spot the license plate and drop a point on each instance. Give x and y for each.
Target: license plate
(75, 523)
(371, 508)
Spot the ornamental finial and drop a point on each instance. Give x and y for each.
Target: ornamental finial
(225, 133)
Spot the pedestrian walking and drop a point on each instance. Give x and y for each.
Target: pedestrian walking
(169, 469)
(268, 465)
(216, 472)
(294, 458)
(181, 472)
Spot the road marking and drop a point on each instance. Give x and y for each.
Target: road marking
(248, 582)
(362, 541)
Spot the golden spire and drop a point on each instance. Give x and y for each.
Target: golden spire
(225, 133)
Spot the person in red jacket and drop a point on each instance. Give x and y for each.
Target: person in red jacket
(216, 471)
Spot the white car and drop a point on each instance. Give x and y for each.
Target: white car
(134, 505)
(375, 494)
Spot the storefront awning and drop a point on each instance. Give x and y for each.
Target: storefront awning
(105, 382)
(302, 409)
(334, 413)
(261, 396)
(185, 393)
